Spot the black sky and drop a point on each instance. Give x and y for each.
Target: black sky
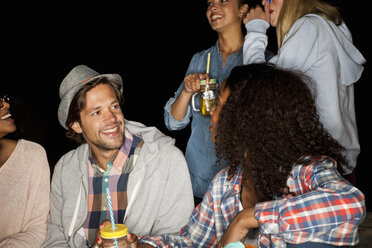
(149, 44)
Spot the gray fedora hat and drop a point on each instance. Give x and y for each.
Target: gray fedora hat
(73, 82)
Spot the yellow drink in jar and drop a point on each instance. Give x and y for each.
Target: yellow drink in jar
(206, 105)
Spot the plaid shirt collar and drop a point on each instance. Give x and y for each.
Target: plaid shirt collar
(121, 156)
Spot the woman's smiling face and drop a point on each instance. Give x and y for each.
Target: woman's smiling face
(6, 121)
(221, 14)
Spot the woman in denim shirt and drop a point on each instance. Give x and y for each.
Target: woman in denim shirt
(225, 17)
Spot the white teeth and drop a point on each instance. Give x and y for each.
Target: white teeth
(5, 116)
(216, 17)
(110, 130)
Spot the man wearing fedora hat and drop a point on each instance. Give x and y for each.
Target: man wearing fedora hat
(145, 172)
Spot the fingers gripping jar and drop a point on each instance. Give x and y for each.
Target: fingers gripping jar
(208, 95)
(109, 236)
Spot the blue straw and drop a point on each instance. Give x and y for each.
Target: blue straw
(110, 208)
(111, 214)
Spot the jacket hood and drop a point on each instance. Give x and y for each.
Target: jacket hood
(154, 140)
(350, 59)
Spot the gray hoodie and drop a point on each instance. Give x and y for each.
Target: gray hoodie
(324, 52)
(160, 198)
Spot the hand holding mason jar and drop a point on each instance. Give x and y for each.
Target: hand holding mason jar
(114, 238)
(207, 96)
(207, 92)
(206, 89)
(107, 237)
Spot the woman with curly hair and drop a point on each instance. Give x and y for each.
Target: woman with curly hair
(268, 129)
(283, 171)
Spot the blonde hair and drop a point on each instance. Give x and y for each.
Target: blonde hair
(292, 10)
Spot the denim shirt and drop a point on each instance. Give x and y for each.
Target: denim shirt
(200, 153)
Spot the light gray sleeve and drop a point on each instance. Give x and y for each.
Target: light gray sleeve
(255, 42)
(177, 200)
(55, 234)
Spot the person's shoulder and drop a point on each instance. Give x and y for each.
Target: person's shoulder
(317, 161)
(221, 178)
(81, 150)
(223, 184)
(304, 20)
(31, 147)
(33, 154)
(204, 52)
(313, 20)
(167, 146)
(306, 27)
(74, 156)
(151, 135)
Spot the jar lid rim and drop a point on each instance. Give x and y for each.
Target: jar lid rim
(109, 233)
(211, 81)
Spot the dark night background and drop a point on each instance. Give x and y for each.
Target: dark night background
(149, 44)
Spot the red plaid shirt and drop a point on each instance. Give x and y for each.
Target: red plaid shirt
(325, 209)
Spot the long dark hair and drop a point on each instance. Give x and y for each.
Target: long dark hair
(267, 123)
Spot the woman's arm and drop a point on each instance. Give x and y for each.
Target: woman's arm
(34, 227)
(328, 206)
(255, 42)
(201, 230)
(256, 22)
(177, 111)
(239, 227)
(191, 85)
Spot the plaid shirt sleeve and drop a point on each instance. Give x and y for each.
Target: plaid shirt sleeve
(199, 230)
(325, 208)
(209, 219)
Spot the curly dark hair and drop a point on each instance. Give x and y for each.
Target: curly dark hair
(267, 123)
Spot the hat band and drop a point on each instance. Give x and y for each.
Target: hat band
(86, 80)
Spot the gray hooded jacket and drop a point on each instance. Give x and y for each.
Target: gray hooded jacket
(324, 52)
(160, 198)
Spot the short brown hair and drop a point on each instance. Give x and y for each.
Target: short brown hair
(79, 102)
